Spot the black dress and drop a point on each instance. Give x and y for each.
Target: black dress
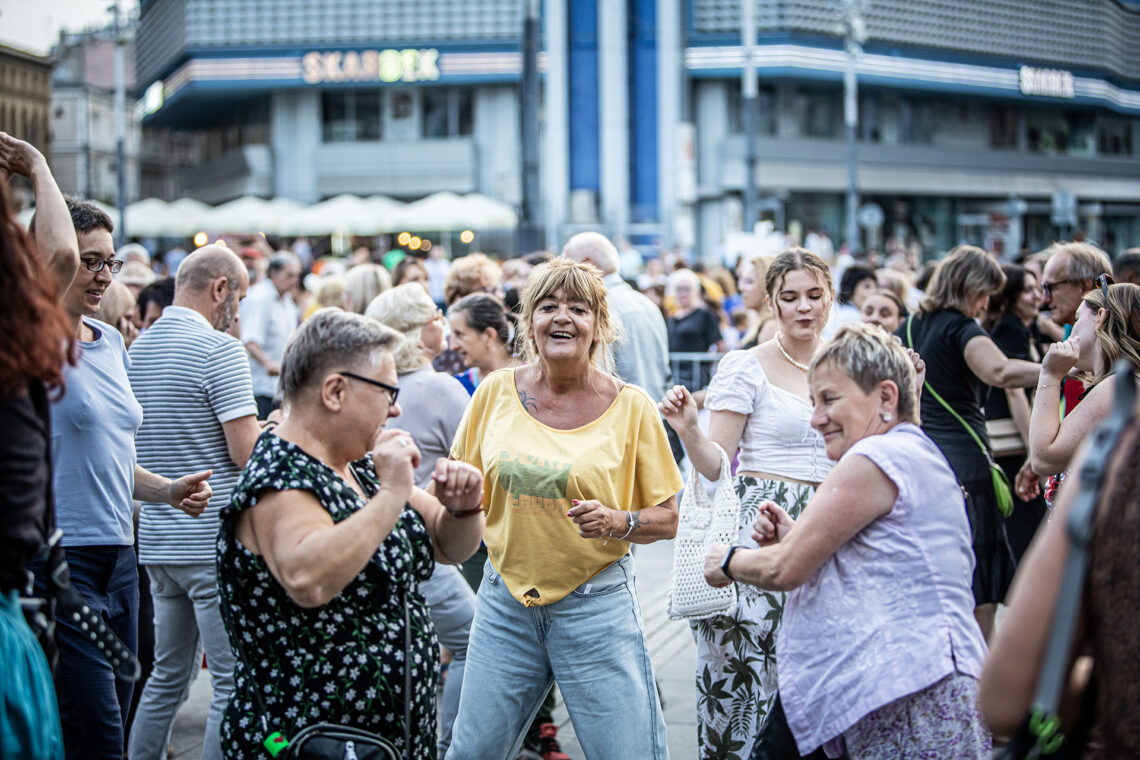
(693, 333)
(342, 662)
(1014, 338)
(940, 337)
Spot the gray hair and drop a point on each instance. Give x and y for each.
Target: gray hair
(329, 341)
(868, 355)
(595, 248)
(1086, 261)
(407, 309)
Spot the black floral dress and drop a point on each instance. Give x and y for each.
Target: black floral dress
(342, 662)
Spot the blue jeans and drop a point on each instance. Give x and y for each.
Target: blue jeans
(451, 604)
(93, 704)
(592, 642)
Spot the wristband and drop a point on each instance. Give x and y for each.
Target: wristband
(629, 525)
(465, 513)
(727, 559)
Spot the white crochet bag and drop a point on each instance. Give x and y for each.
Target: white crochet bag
(701, 525)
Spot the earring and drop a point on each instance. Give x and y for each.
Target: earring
(886, 416)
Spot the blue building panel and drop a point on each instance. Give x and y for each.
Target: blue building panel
(583, 106)
(643, 111)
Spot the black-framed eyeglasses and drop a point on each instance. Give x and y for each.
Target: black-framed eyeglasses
(1103, 282)
(393, 391)
(96, 265)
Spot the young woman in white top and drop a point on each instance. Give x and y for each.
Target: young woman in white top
(759, 406)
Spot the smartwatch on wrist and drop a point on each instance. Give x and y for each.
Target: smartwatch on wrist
(727, 559)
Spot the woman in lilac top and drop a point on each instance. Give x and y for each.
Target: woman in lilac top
(879, 651)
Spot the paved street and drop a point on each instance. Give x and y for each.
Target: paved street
(670, 644)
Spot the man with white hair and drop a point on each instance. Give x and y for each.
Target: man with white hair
(641, 352)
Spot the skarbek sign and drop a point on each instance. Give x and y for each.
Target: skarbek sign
(409, 65)
(1051, 83)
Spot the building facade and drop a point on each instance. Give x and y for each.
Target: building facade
(25, 101)
(1006, 123)
(84, 139)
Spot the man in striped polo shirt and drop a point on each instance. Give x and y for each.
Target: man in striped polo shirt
(193, 382)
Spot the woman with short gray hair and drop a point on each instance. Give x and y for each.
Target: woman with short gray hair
(325, 542)
(878, 649)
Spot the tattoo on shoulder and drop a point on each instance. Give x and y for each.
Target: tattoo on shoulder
(528, 402)
(637, 520)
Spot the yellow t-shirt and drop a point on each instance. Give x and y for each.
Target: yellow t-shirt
(532, 471)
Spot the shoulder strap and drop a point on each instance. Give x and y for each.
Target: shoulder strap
(926, 387)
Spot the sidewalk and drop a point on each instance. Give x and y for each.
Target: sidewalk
(670, 645)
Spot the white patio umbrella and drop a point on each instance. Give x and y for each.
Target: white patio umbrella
(447, 212)
(344, 214)
(251, 214)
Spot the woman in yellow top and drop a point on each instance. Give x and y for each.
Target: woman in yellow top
(577, 467)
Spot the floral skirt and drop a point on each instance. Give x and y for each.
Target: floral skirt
(736, 654)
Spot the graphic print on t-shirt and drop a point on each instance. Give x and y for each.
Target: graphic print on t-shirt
(537, 485)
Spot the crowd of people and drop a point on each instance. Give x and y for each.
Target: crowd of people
(400, 492)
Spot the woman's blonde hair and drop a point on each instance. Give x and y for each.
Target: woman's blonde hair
(330, 292)
(117, 300)
(407, 309)
(757, 318)
(868, 355)
(578, 281)
(470, 274)
(363, 283)
(1118, 336)
(966, 273)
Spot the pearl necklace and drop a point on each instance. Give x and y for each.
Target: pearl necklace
(794, 363)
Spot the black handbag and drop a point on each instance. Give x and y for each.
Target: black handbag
(775, 740)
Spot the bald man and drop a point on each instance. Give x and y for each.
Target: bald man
(192, 379)
(641, 352)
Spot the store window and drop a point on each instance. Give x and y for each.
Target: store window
(765, 115)
(447, 112)
(916, 121)
(1056, 132)
(1003, 127)
(823, 113)
(350, 116)
(1114, 137)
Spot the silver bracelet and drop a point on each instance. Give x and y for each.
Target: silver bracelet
(629, 524)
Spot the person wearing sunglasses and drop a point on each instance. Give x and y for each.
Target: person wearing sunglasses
(1070, 272)
(325, 544)
(1107, 328)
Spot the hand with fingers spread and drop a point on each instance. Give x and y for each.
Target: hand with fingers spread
(595, 520)
(459, 487)
(679, 409)
(191, 493)
(772, 524)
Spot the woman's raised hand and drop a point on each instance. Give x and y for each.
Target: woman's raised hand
(919, 369)
(1061, 358)
(679, 409)
(772, 524)
(395, 458)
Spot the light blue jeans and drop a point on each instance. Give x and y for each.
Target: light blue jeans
(451, 604)
(592, 642)
(186, 610)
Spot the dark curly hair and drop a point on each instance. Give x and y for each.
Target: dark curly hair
(38, 336)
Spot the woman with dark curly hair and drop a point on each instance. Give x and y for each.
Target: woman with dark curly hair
(31, 367)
